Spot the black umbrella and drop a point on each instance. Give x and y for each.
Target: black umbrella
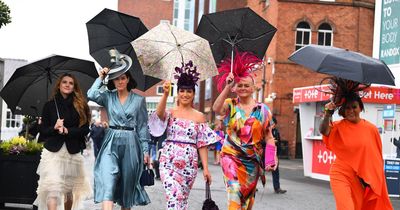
(240, 29)
(31, 85)
(111, 29)
(344, 64)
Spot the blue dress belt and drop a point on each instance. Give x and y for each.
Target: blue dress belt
(122, 128)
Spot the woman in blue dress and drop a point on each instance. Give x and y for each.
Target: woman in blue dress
(124, 151)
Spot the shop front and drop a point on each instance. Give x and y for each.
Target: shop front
(380, 109)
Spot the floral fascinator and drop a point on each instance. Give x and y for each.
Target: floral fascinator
(187, 76)
(244, 63)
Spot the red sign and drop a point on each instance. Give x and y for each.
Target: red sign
(374, 94)
(322, 158)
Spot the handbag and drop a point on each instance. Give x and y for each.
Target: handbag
(209, 204)
(270, 154)
(147, 177)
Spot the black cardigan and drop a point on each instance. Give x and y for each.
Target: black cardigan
(75, 139)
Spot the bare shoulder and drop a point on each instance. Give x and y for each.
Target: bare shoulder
(199, 116)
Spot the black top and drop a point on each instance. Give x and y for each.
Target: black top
(75, 139)
(97, 132)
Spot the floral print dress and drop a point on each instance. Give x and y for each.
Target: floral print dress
(179, 158)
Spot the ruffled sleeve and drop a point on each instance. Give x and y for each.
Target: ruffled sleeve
(206, 136)
(156, 125)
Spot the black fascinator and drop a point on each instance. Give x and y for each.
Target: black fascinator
(187, 76)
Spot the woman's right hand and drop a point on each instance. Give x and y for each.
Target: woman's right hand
(330, 108)
(103, 72)
(166, 87)
(59, 126)
(229, 81)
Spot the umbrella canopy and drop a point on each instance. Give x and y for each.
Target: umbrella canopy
(344, 64)
(165, 47)
(31, 85)
(240, 28)
(111, 29)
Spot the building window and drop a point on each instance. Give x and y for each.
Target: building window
(197, 94)
(184, 14)
(208, 89)
(325, 35)
(213, 6)
(13, 121)
(160, 90)
(165, 21)
(303, 35)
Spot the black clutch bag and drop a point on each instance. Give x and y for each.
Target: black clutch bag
(147, 177)
(209, 204)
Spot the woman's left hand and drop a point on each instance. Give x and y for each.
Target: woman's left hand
(146, 159)
(207, 176)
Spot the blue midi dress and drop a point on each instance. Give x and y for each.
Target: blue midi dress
(119, 163)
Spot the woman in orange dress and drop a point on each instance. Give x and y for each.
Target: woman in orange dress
(357, 178)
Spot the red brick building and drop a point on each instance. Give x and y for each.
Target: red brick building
(342, 23)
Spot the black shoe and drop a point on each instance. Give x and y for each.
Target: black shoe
(280, 191)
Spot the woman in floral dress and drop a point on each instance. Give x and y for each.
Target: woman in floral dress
(247, 124)
(187, 135)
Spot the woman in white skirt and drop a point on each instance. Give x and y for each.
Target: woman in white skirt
(65, 122)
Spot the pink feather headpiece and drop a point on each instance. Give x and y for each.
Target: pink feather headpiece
(243, 65)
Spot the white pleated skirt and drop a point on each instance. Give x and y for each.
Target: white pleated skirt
(62, 177)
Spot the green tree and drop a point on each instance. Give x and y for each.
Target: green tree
(5, 17)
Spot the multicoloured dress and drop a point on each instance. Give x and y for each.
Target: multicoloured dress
(241, 155)
(179, 159)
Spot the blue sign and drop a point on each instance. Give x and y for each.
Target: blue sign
(392, 174)
(389, 111)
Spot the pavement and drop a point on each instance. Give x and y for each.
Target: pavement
(303, 193)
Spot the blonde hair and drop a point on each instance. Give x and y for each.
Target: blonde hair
(80, 103)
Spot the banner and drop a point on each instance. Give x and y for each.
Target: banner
(389, 50)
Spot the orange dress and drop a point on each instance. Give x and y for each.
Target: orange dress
(358, 150)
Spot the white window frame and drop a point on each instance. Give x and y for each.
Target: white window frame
(17, 120)
(179, 19)
(325, 31)
(303, 31)
(197, 94)
(160, 90)
(208, 89)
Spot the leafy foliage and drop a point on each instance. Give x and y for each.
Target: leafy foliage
(19, 145)
(5, 17)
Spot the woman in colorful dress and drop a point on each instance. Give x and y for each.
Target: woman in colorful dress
(187, 135)
(357, 176)
(63, 183)
(247, 124)
(124, 152)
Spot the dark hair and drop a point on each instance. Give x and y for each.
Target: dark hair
(187, 88)
(349, 99)
(274, 120)
(131, 84)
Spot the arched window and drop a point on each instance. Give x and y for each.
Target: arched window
(303, 35)
(325, 35)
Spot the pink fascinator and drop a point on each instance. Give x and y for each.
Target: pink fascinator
(244, 64)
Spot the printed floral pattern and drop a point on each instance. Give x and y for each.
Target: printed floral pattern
(179, 159)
